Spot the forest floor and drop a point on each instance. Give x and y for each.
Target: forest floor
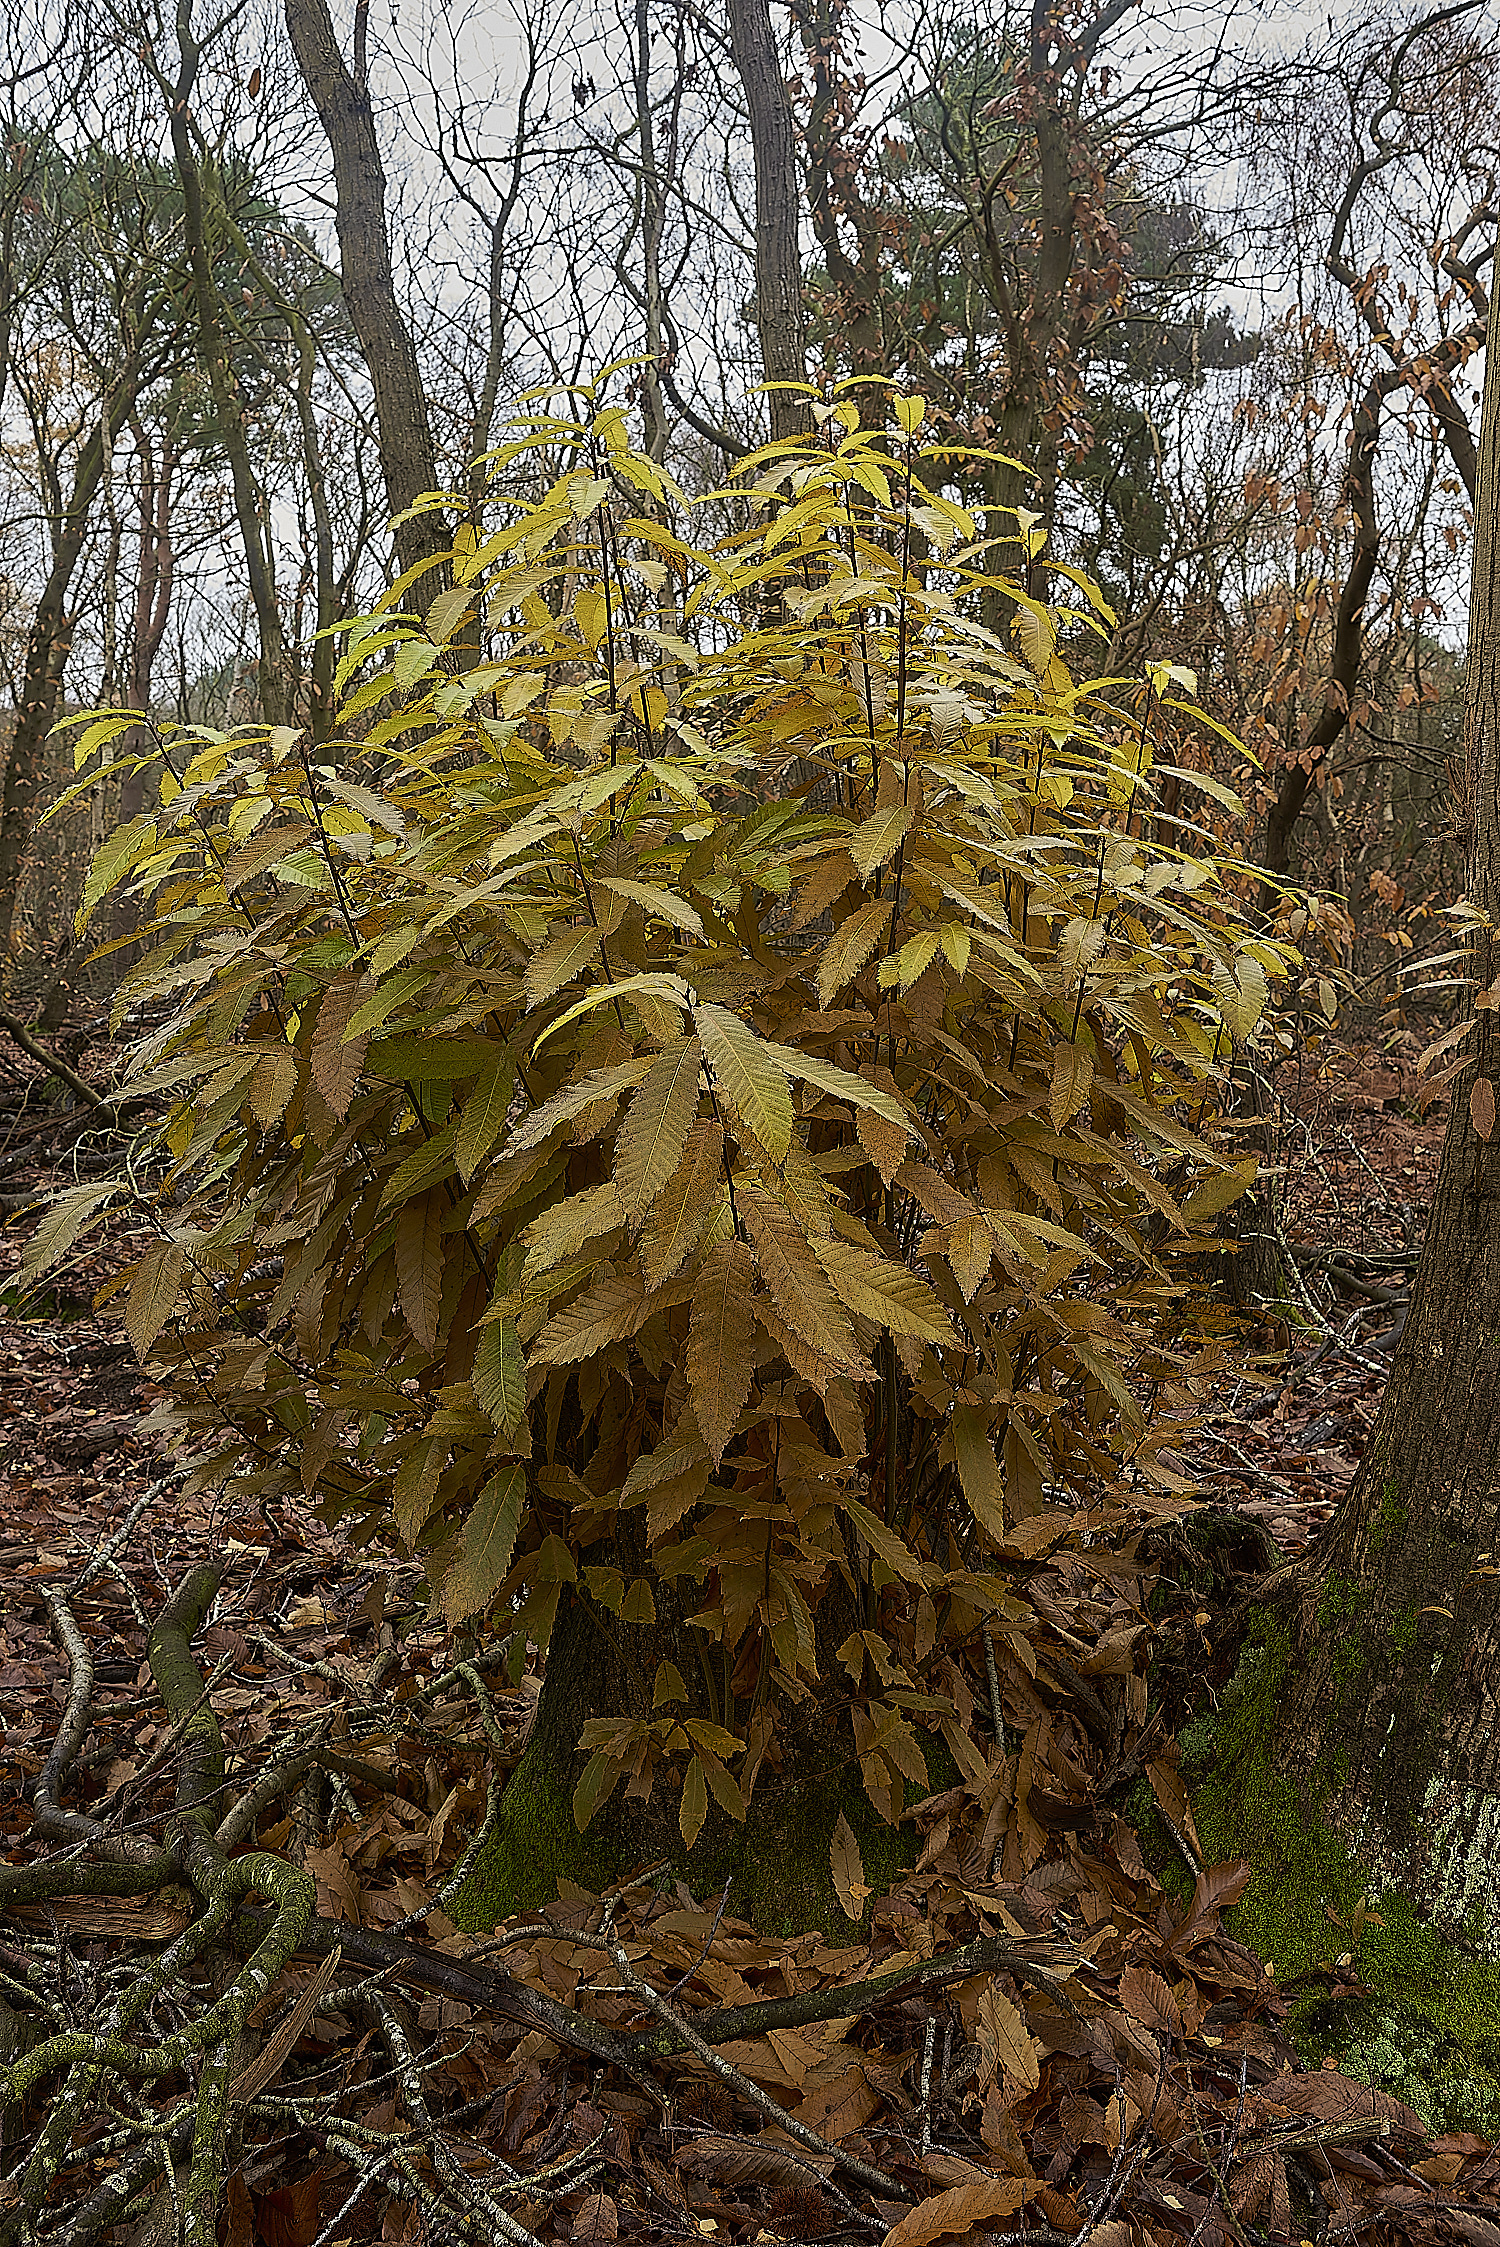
(1032, 2037)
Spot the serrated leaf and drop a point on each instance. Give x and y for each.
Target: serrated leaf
(979, 1470)
(264, 850)
(883, 1141)
(970, 1253)
(273, 1080)
(482, 1562)
(482, 1118)
(64, 1221)
(964, 2210)
(568, 1227)
(499, 1376)
(1220, 1191)
(595, 1090)
(811, 1069)
(850, 947)
(419, 1263)
(1072, 1080)
(794, 1277)
(848, 1870)
(1004, 2038)
(609, 1311)
(694, 1805)
(601, 1775)
(447, 612)
(886, 1293)
(663, 903)
(114, 856)
(425, 1166)
(153, 1294)
(337, 1059)
(439, 1058)
(877, 841)
(720, 1362)
(747, 1075)
(893, 1550)
(654, 1132)
(677, 1218)
(567, 955)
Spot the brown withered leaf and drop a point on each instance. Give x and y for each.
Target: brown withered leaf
(335, 1065)
(1149, 2000)
(720, 1363)
(677, 1218)
(962, 2208)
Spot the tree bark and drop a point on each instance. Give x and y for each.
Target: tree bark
(776, 1862)
(1389, 1723)
(408, 458)
(50, 641)
(780, 317)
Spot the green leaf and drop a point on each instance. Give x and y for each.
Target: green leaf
(874, 844)
(850, 947)
(153, 1294)
(483, 1115)
(601, 1775)
(655, 1130)
(64, 1221)
(979, 1469)
(438, 1057)
(678, 1216)
(114, 857)
(499, 1376)
(482, 1562)
(746, 1076)
(568, 954)
(425, 1166)
(419, 1263)
(694, 1805)
(598, 1087)
(720, 1361)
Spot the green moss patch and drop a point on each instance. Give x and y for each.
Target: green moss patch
(777, 1864)
(1424, 2023)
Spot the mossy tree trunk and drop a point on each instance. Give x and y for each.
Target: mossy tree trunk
(777, 1862)
(1389, 1724)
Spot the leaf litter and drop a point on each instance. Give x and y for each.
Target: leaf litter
(1028, 2037)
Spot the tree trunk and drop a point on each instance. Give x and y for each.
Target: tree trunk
(1387, 1719)
(408, 459)
(48, 645)
(777, 1864)
(779, 314)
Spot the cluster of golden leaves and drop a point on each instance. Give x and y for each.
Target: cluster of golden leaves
(698, 1081)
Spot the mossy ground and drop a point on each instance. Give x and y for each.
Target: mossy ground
(777, 1864)
(1423, 2021)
